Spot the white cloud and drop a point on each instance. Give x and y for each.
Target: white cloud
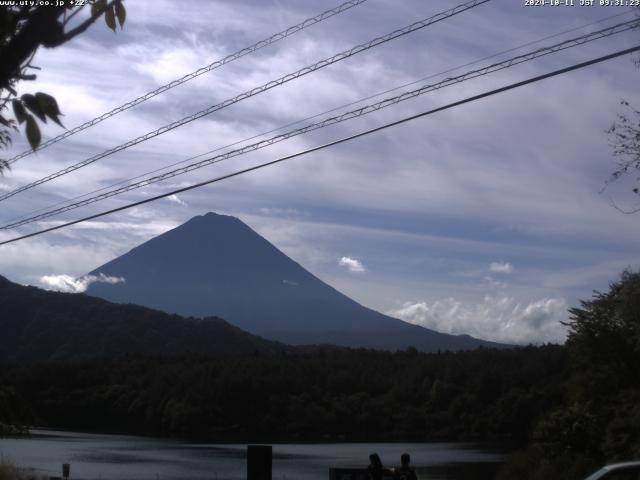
(352, 264)
(501, 267)
(176, 199)
(502, 319)
(69, 284)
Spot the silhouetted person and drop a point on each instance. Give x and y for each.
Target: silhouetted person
(375, 467)
(405, 472)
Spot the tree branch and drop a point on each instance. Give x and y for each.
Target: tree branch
(41, 28)
(86, 24)
(75, 12)
(626, 212)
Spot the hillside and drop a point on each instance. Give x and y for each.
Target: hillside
(39, 325)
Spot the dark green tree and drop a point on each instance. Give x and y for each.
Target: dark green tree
(624, 138)
(597, 420)
(605, 332)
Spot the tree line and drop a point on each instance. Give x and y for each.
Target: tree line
(320, 394)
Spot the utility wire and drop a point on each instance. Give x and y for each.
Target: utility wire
(335, 142)
(190, 76)
(364, 110)
(297, 122)
(255, 91)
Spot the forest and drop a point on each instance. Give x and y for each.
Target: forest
(326, 393)
(567, 408)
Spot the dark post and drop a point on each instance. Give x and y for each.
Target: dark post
(66, 470)
(259, 462)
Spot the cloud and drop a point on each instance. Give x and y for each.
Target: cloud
(279, 212)
(352, 264)
(27, 261)
(69, 284)
(501, 267)
(176, 199)
(502, 319)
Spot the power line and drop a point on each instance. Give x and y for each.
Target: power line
(335, 142)
(190, 76)
(363, 110)
(282, 127)
(255, 91)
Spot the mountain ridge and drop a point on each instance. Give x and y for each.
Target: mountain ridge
(42, 325)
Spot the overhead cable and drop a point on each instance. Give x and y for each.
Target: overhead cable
(317, 115)
(190, 76)
(255, 91)
(330, 144)
(364, 110)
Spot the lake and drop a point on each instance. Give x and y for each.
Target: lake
(101, 456)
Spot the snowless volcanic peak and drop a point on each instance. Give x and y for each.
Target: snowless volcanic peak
(217, 265)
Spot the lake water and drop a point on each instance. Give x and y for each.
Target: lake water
(99, 456)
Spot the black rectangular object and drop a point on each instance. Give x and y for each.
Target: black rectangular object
(259, 462)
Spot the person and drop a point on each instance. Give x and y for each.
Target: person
(405, 472)
(375, 467)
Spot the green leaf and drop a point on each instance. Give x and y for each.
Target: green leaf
(110, 18)
(121, 13)
(57, 120)
(33, 105)
(49, 106)
(33, 132)
(18, 110)
(97, 7)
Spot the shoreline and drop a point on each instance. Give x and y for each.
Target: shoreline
(13, 431)
(107, 456)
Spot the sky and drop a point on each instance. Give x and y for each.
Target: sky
(492, 218)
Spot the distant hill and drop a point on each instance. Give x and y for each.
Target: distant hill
(216, 265)
(39, 325)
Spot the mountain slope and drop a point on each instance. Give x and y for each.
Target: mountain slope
(216, 265)
(39, 325)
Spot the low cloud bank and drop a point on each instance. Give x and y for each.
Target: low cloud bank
(501, 319)
(69, 284)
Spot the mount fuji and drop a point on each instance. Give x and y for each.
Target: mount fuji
(216, 265)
